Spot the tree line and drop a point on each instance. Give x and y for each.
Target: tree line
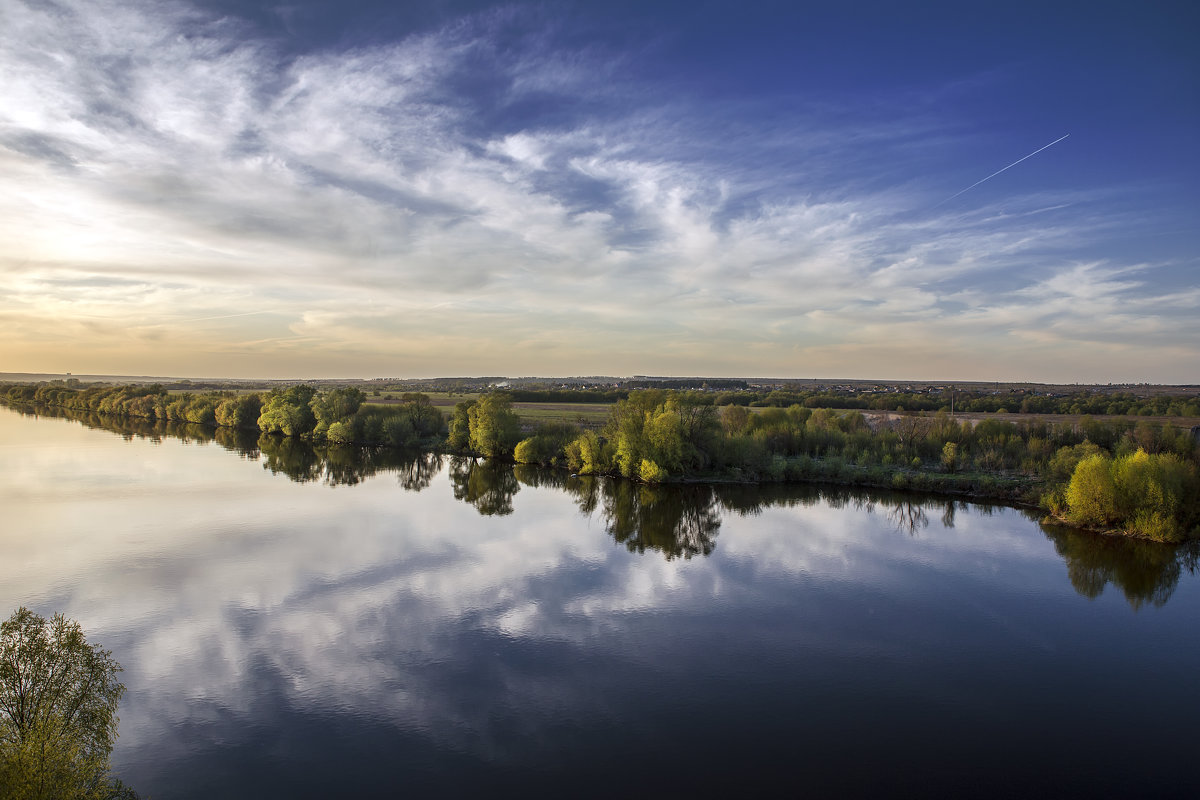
(720, 393)
(1123, 474)
(973, 401)
(339, 416)
(1134, 476)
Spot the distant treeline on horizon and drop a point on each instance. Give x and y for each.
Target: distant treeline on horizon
(722, 392)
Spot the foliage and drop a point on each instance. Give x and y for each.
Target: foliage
(672, 432)
(1064, 461)
(1154, 496)
(336, 405)
(289, 412)
(58, 704)
(493, 426)
(1091, 495)
(589, 454)
(241, 411)
(547, 446)
(412, 423)
(950, 456)
(459, 435)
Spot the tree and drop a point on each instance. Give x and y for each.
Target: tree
(588, 454)
(494, 427)
(336, 405)
(58, 710)
(1090, 494)
(548, 444)
(288, 412)
(240, 412)
(735, 418)
(459, 434)
(950, 456)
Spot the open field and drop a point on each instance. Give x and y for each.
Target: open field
(439, 399)
(586, 415)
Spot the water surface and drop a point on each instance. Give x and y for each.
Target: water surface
(312, 624)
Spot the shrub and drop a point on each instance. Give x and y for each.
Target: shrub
(1091, 495)
(651, 472)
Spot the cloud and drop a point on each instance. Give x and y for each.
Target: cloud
(447, 183)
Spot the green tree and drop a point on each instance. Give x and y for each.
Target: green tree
(240, 412)
(1062, 464)
(459, 434)
(336, 405)
(950, 456)
(58, 711)
(588, 454)
(340, 433)
(548, 445)
(288, 412)
(1091, 495)
(1155, 495)
(427, 421)
(664, 444)
(494, 427)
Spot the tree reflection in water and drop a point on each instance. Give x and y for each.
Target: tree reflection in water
(676, 520)
(487, 485)
(291, 457)
(418, 470)
(1145, 572)
(340, 465)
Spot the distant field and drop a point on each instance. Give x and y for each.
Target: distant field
(587, 415)
(203, 390)
(439, 399)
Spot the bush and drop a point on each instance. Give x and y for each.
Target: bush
(650, 472)
(339, 433)
(548, 445)
(588, 454)
(1149, 495)
(1091, 495)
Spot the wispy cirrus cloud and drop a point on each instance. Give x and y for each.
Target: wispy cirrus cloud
(442, 203)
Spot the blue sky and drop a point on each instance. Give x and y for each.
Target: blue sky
(364, 189)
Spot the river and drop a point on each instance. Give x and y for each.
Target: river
(304, 623)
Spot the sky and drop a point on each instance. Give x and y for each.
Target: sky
(234, 188)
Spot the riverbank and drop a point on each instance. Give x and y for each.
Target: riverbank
(1125, 474)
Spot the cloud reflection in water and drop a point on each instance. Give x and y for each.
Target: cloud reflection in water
(295, 627)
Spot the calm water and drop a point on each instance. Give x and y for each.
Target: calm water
(297, 624)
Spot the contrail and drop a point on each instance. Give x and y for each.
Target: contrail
(997, 172)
